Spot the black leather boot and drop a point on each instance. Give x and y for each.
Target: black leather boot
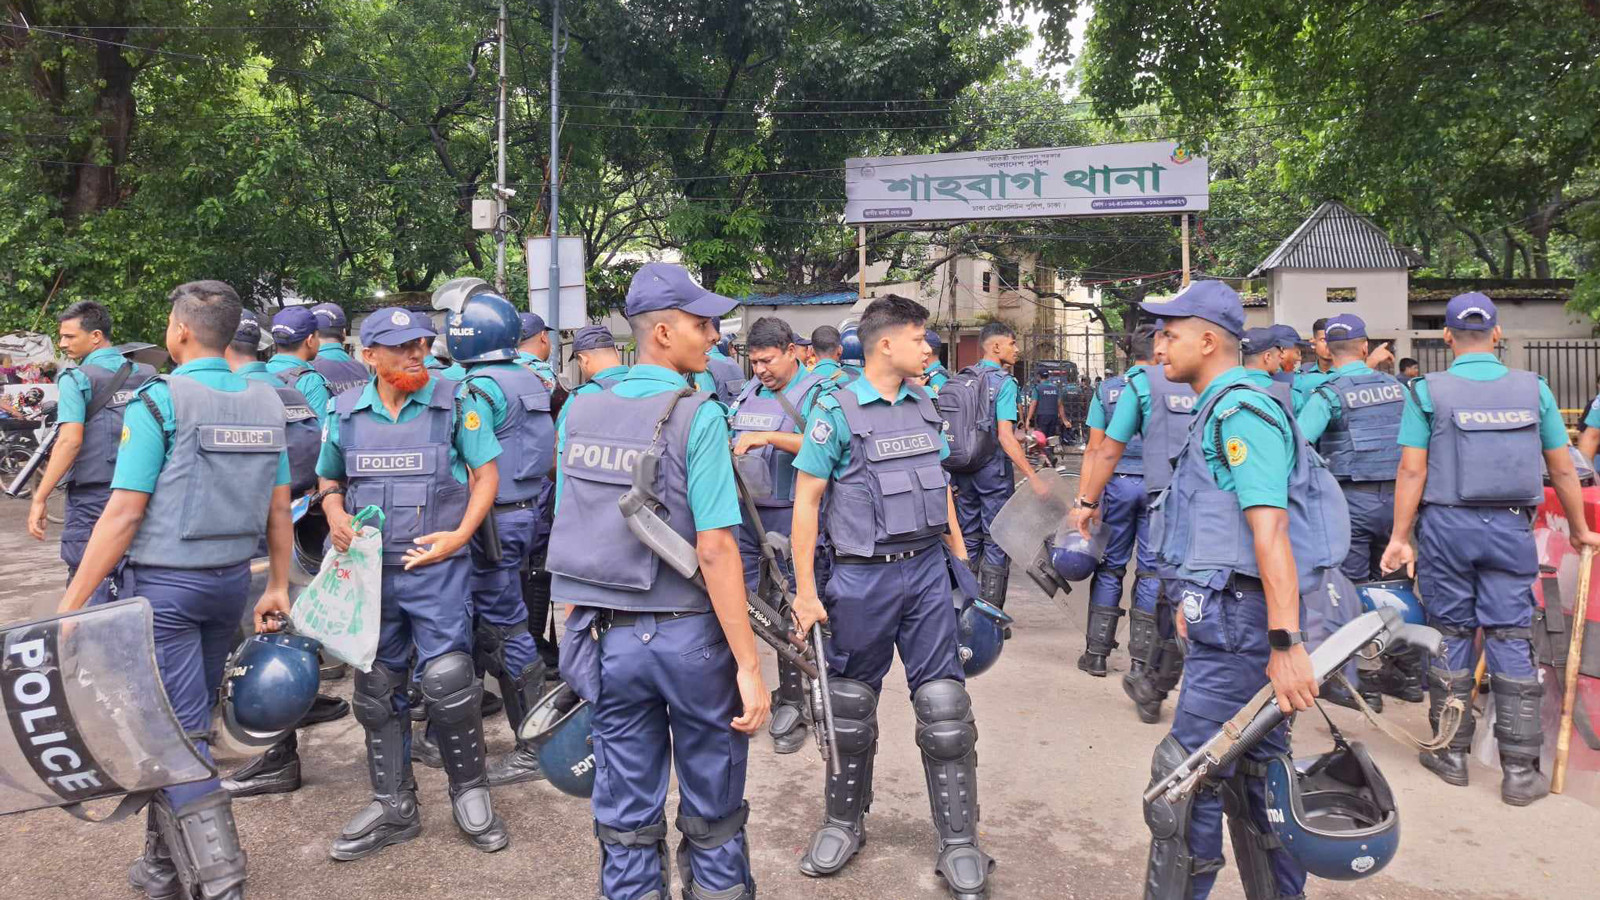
(1450, 764)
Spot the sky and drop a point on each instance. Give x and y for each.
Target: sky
(1030, 55)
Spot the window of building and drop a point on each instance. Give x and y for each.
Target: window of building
(988, 282)
(1340, 295)
(1044, 280)
(1010, 274)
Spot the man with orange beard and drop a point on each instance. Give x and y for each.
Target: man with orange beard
(405, 443)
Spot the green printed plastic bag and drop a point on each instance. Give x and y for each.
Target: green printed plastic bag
(341, 606)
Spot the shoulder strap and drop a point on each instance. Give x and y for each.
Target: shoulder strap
(99, 399)
(1216, 423)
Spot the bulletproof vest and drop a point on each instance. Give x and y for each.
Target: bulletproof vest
(303, 435)
(527, 436)
(606, 383)
(209, 506)
(1201, 532)
(594, 557)
(403, 468)
(768, 471)
(102, 434)
(1132, 461)
(1361, 443)
(1171, 416)
(892, 496)
(1485, 442)
(728, 376)
(1283, 390)
(341, 374)
(1049, 396)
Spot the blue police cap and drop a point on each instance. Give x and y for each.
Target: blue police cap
(1257, 340)
(532, 324)
(591, 337)
(329, 315)
(1285, 337)
(1471, 312)
(393, 326)
(932, 337)
(665, 286)
(1346, 327)
(293, 324)
(249, 330)
(799, 340)
(1210, 300)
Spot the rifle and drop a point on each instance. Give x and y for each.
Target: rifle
(1368, 634)
(19, 484)
(774, 582)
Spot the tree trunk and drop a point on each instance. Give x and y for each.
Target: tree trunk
(1539, 229)
(95, 185)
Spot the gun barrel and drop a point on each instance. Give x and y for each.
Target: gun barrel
(40, 454)
(827, 700)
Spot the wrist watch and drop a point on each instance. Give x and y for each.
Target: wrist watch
(1081, 503)
(1283, 639)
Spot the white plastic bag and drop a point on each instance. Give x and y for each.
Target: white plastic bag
(342, 605)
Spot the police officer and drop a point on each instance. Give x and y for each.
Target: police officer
(807, 356)
(1471, 437)
(981, 494)
(332, 360)
(200, 432)
(595, 351)
(440, 362)
(1154, 426)
(890, 589)
(1125, 511)
(935, 371)
(294, 331)
(1261, 349)
(1588, 433)
(277, 771)
(1245, 533)
(825, 343)
(1354, 420)
(682, 679)
(767, 419)
(483, 334)
(533, 346)
(404, 443)
(85, 452)
(1046, 411)
(1291, 348)
(722, 376)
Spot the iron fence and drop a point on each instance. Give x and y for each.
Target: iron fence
(1571, 367)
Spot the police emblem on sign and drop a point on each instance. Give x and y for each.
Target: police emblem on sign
(821, 431)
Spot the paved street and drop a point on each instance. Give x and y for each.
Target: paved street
(1064, 761)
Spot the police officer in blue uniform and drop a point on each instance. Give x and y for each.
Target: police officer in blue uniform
(1290, 349)
(533, 352)
(1153, 423)
(722, 376)
(294, 331)
(1045, 408)
(1246, 532)
(681, 678)
(85, 452)
(1125, 512)
(1354, 421)
(981, 494)
(277, 771)
(1471, 437)
(441, 363)
(1588, 433)
(333, 362)
(767, 419)
(935, 372)
(1261, 349)
(595, 352)
(405, 443)
(201, 431)
(825, 343)
(876, 446)
(533, 346)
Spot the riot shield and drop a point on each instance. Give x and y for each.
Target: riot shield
(85, 714)
(1025, 525)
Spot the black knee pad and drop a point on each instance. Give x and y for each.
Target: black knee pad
(1171, 868)
(709, 834)
(852, 699)
(945, 728)
(451, 688)
(652, 835)
(1252, 845)
(373, 696)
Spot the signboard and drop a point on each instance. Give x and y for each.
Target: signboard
(574, 312)
(1105, 180)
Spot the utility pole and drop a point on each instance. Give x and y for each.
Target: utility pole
(555, 179)
(500, 166)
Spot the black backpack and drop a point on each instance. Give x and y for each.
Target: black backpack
(967, 404)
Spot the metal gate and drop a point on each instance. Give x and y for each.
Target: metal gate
(1571, 367)
(1433, 356)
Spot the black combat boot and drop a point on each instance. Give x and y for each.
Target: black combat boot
(1520, 733)
(1450, 764)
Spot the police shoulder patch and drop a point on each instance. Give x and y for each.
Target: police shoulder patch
(472, 420)
(821, 430)
(126, 434)
(1237, 452)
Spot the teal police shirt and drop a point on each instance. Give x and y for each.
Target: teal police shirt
(474, 443)
(257, 371)
(334, 352)
(539, 367)
(491, 390)
(1257, 452)
(1129, 418)
(73, 388)
(1096, 417)
(1005, 403)
(829, 368)
(453, 371)
(825, 452)
(936, 378)
(1307, 382)
(713, 500)
(310, 383)
(146, 444)
(593, 384)
(1591, 416)
(1416, 423)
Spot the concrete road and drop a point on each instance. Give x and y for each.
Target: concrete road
(1064, 762)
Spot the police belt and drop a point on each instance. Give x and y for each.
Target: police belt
(515, 505)
(1370, 487)
(607, 619)
(845, 560)
(1243, 583)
